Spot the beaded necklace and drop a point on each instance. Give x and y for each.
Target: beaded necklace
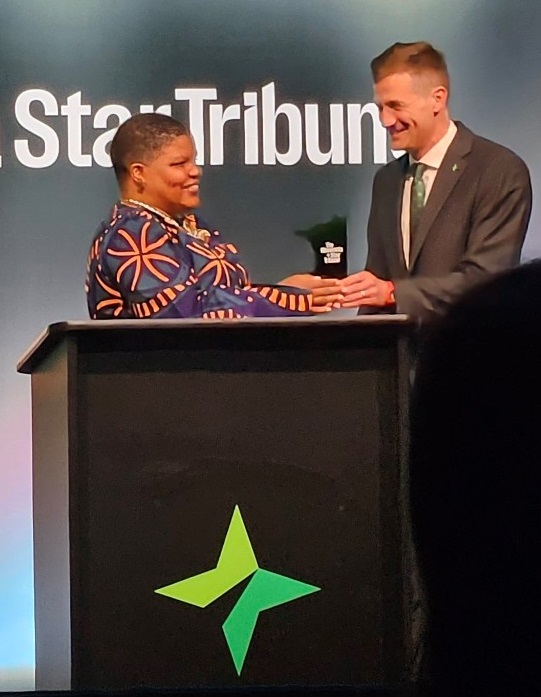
(189, 226)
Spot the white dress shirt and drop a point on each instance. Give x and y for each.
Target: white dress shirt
(432, 159)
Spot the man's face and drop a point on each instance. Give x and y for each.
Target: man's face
(171, 178)
(407, 109)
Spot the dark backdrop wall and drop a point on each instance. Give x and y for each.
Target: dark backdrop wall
(273, 86)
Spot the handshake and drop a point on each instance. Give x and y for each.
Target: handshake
(356, 290)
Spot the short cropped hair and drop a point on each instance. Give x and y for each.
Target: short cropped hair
(414, 58)
(141, 137)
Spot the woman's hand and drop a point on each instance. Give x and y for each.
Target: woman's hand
(326, 293)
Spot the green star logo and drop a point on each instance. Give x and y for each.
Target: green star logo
(237, 562)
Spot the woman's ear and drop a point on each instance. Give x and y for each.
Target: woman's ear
(136, 172)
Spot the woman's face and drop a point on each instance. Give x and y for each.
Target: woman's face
(171, 180)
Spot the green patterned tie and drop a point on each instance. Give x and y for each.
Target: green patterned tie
(417, 200)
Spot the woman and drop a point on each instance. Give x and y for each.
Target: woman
(154, 258)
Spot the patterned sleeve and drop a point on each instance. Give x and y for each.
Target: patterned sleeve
(139, 272)
(140, 269)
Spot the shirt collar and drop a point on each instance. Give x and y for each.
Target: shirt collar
(434, 157)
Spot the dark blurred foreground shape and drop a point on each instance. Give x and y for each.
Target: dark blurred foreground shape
(476, 489)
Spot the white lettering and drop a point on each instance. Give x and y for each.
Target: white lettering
(272, 133)
(355, 140)
(51, 145)
(164, 109)
(218, 118)
(101, 120)
(251, 129)
(397, 153)
(75, 110)
(335, 154)
(196, 98)
(270, 116)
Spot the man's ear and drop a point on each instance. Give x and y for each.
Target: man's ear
(440, 95)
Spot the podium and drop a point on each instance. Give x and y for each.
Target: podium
(270, 454)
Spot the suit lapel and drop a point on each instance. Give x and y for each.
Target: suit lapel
(397, 190)
(451, 169)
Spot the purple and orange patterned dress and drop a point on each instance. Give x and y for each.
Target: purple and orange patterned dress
(144, 264)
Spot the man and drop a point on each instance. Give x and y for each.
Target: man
(449, 213)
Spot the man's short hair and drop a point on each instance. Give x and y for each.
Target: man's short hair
(140, 138)
(414, 58)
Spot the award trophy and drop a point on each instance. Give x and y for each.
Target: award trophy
(329, 243)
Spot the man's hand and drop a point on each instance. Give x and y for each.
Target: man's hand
(363, 288)
(326, 293)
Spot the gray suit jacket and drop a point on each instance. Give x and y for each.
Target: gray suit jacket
(473, 224)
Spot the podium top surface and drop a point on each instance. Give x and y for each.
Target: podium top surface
(142, 333)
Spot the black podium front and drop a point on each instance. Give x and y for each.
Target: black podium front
(270, 454)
